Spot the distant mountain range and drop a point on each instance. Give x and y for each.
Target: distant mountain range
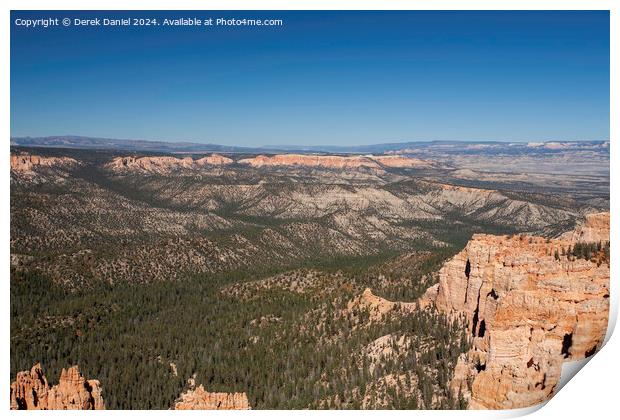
(438, 146)
(80, 142)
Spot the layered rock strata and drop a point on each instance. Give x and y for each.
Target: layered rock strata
(165, 164)
(529, 309)
(335, 162)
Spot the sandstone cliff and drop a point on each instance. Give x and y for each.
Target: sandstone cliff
(165, 164)
(25, 163)
(200, 399)
(594, 228)
(31, 391)
(335, 162)
(529, 309)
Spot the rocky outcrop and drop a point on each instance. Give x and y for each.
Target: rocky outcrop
(214, 159)
(31, 391)
(335, 162)
(376, 306)
(200, 399)
(26, 163)
(396, 161)
(594, 228)
(165, 164)
(529, 309)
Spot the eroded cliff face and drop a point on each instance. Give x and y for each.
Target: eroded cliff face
(529, 310)
(165, 164)
(335, 162)
(200, 399)
(26, 163)
(595, 228)
(31, 391)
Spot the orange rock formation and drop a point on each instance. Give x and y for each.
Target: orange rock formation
(528, 312)
(165, 164)
(594, 229)
(199, 399)
(377, 306)
(26, 162)
(31, 391)
(335, 162)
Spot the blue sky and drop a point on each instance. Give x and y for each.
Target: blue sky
(341, 78)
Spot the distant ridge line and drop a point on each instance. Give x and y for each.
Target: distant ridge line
(100, 143)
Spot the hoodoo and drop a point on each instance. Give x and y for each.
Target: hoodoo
(31, 391)
(200, 399)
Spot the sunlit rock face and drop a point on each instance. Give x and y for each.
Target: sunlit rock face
(25, 163)
(164, 164)
(376, 306)
(336, 162)
(200, 399)
(31, 391)
(595, 228)
(529, 309)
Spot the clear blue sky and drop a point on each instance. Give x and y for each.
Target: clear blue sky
(341, 78)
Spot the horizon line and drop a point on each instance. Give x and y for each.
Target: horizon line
(379, 143)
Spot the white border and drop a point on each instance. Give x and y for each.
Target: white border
(592, 394)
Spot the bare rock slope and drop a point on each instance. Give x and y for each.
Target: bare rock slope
(25, 163)
(594, 229)
(164, 164)
(529, 309)
(336, 162)
(377, 306)
(200, 399)
(31, 391)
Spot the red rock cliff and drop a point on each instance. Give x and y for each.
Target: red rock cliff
(335, 162)
(528, 311)
(31, 391)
